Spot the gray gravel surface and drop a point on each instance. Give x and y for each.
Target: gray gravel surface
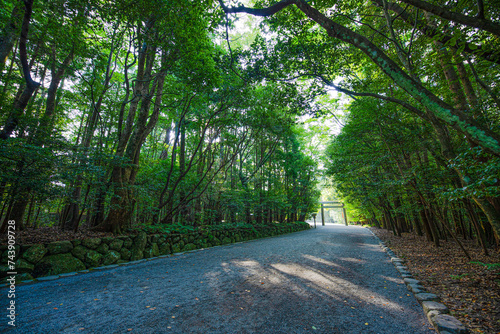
(334, 279)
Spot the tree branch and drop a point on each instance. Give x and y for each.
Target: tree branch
(475, 22)
(377, 96)
(258, 11)
(441, 36)
(457, 119)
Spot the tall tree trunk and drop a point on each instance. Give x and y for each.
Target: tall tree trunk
(73, 222)
(135, 133)
(10, 33)
(21, 101)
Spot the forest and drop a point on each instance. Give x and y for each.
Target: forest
(128, 113)
(150, 112)
(169, 117)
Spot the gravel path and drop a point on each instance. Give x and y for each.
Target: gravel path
(334, 279)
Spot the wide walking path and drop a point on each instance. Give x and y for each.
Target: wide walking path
(333, 279)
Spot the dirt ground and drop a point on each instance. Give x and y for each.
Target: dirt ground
(470, 288)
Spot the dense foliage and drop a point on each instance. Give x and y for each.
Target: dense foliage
(116, 114)
(133, 113)
(421, 144)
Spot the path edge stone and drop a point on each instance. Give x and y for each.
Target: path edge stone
(436, 312)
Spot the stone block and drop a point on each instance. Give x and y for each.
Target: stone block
(79, 252)
(411, 281)
(155, 251)
(431, 314)
(35, 253)
(448, 323)
(125, 254)
(189, 247)
(127, 242)
(111, 257)
(416, 288)
(57, 264)
(116, 244)
(59, 247)
(93, 258)
(176, 248)
(140, 241)
(103, 248)
(165, 249)
(136, 254)
(434, 306)
(23, 266)
(91, 243)
(107, 240)
(426, 296)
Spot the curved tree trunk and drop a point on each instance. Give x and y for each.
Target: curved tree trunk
(457, 119)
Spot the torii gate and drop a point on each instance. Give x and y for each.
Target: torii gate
(332, 205)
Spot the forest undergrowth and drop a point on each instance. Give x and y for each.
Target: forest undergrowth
(469, 288)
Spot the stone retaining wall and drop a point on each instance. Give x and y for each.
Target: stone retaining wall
(39, 260)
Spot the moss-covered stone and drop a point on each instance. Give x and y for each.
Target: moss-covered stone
(91, 243)
(107, 240)
(181, 244)
(79, 252)
(59, 247)
(165, 249)
(93, 258)
(116, 244)
(23, 266)
(176, 248)
(189, 247)
(152, 251)
(140, 241)
(111, 257)
(125, 254)
(127, 242)
(226, 240)
(35, 253)
(103, 248)
(57, 264)
(155, 250)
(136, 254)
(76, 242)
